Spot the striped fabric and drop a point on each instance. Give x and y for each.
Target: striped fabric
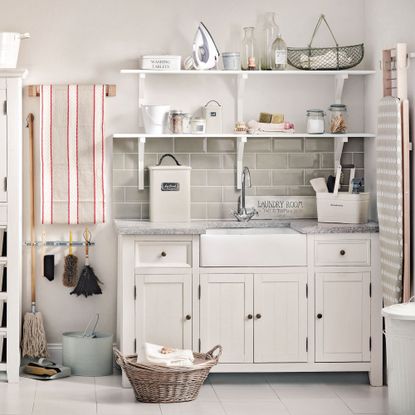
(389, 198)
(72, 154)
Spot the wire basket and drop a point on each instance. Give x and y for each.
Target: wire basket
(328, 58)
(160, 384)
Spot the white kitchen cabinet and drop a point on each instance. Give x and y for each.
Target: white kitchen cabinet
(3, 146)
(226, 315)
(164, 310)
(342, 316)
(280, 312)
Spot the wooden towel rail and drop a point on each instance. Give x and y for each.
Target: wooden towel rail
(34, 90)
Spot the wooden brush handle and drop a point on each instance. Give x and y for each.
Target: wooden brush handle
(30, 120)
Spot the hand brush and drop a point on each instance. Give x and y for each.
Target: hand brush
(70, 271)
(88, 283)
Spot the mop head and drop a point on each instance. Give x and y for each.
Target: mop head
(34, 342)
(88, 283)
(70, 271)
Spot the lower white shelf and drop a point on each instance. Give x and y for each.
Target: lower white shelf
(3, 296)
(3, 367)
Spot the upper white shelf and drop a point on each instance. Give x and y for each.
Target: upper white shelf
(235, 135)
(13, 73)
(256, 73)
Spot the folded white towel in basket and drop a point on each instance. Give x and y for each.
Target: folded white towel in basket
(161, 355)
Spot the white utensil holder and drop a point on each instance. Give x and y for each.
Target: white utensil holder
(343, 207)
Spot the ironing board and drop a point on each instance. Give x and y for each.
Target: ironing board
(390, 198)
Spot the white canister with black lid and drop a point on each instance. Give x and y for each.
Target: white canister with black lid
(169, 192)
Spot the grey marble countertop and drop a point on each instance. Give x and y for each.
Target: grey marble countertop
(197, 227)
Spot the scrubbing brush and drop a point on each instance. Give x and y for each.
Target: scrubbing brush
(70, 271)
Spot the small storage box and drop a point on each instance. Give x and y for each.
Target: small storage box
(343, 207)
(169, 192)
(160, 62)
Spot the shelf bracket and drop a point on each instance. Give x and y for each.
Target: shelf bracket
(240, 86)
(338, 149)
(338, 87)
(240, 146)
(141, 149)
(141, 97)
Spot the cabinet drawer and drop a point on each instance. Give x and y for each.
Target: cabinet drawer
(3, 214)
(343, 252)
(163, 254)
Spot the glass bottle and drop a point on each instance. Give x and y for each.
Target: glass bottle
(248, 52)
(271, 31)
(279, 52)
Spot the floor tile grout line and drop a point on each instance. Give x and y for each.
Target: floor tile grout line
(34, 397)
(219, 400)
(96, 395)
(282, 403)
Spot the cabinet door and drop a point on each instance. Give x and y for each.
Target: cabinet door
(163, 307)
(280, 313)
(3, 147)
(342, 316)
(226, 315)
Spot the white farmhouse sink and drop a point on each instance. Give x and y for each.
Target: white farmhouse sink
(253, 247)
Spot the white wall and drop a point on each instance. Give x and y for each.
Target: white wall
(89, 41)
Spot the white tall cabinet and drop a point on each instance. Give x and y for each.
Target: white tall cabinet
(11, 215)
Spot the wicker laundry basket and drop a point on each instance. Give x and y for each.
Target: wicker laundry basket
(160, 384)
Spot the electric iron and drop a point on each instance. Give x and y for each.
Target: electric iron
(205, 51)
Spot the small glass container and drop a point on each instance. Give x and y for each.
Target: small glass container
(198, 125)
(315, 121)
(186, 123)
(248, 51)
(338, 118)
(176, 121)
(231, 61)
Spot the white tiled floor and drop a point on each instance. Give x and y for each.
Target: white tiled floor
(247, 394)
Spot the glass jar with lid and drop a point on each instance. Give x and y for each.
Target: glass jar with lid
(315, 121)
(338, 118)
(179, 122)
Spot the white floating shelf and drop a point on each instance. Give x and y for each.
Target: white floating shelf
(3, 296)
(235, 135)
(3, 331)
(3, 260)
(3, 367)
(249, 73)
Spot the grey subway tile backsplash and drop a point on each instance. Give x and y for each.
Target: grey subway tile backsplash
(271, 161)
(279, 166)
(304, 160)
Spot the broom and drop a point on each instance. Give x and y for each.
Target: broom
(34, 342)
(88, 283)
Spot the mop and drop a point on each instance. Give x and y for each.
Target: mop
(88, 283)
(34, 342)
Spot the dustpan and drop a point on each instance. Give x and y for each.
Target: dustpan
(45, 369)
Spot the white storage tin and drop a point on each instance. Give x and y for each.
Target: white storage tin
(160, 62)
(343, 207)
(169, 192)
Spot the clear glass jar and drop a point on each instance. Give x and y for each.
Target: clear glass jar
(177, 121)
(279, 54)
(270, 33)
(315, 121)
(248, 52)
(338, 118)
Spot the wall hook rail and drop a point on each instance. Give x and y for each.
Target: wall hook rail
(58, 243)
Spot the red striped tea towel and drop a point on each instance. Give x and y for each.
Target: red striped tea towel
(72, 146)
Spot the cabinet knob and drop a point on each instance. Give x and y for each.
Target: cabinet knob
(258, 316)
(319, 316)
(250, 316)
(163, 254)
(188, 317)
(342, 252)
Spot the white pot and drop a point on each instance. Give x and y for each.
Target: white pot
(155, 118)
(9, 48)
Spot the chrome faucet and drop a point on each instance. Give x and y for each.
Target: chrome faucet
(243, 214)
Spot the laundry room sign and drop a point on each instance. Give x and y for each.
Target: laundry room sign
(283, 207)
